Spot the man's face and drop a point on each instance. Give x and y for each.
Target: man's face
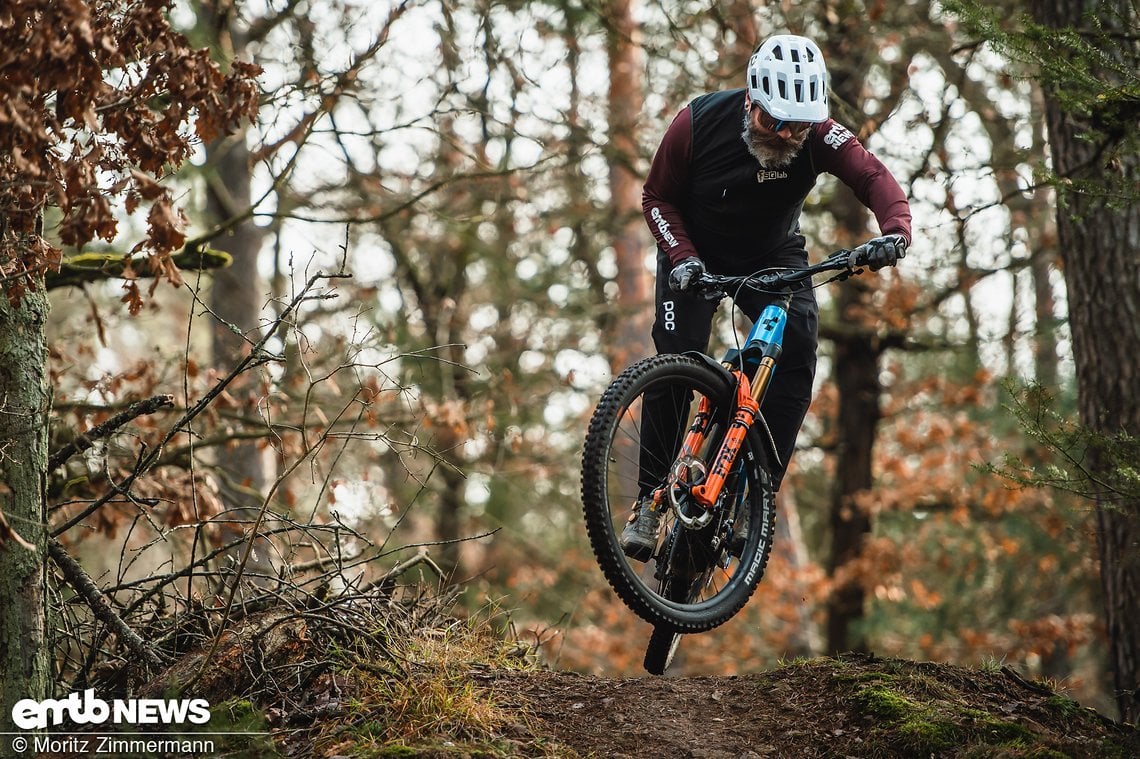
(773, 143)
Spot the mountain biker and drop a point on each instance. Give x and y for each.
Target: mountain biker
(724, 195)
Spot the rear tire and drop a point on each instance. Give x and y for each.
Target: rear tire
(663, 645)
(696, 584)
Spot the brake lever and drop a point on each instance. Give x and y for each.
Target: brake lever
(709, 288)
(849, 261)
(846, 258)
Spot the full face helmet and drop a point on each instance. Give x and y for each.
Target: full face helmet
(788, 78)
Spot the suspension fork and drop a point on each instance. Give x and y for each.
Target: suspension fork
(695, 437)
(766, 337)
(744, 414)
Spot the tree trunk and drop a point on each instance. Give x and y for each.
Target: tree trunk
(1045, 329)
(24, 401)
(631, 334)
(236, 295)
(235, 299)
(1098, 248)
(857, 381)
(856, 374)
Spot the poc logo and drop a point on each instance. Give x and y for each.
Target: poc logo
(669, 315)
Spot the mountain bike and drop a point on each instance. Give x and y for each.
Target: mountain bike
(687, 431)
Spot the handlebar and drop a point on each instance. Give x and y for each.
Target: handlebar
(847, 262)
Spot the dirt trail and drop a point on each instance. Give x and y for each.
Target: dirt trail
(852, 706)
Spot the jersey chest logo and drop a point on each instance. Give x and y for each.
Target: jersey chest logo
(764, 175)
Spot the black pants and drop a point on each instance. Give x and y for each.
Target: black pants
(684, 323)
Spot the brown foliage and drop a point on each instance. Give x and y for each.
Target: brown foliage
(98, 100)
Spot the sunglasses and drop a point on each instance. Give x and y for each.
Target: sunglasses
(775, 125)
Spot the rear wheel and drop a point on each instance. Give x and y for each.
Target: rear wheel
(696, 579)
(663, 644)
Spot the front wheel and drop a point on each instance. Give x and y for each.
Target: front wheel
(699, 576)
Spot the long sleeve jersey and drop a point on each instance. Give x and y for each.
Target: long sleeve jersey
(707, 196)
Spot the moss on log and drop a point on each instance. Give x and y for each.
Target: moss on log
(97, 266)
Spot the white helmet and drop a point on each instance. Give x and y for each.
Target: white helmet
(788, 79)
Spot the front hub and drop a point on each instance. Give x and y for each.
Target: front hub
(688, 473)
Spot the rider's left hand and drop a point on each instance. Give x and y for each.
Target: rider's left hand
(686, 274)
(883, 251)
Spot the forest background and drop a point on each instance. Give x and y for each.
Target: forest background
(439, 261)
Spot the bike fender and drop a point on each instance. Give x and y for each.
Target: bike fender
(714, 364)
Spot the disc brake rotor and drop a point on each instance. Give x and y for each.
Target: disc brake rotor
(687, 473)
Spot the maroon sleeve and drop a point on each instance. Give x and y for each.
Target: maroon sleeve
(837, 151)
(665, 187)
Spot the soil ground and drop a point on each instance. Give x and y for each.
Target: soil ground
(855, 706)
(283, 686)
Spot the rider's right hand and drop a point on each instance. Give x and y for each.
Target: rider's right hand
(881, 251)
(684, 276)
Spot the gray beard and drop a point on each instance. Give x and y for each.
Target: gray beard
(770, 155)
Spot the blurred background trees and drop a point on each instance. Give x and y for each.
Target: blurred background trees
(471, 172)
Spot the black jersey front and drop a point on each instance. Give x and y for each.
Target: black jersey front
(734, 210)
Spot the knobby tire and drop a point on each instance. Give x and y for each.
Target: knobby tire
(663, 644)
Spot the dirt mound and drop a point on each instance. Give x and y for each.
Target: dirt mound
(851, 706)
(372, 677)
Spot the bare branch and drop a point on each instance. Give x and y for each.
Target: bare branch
(95, 267)
(82, 583)
(7, 533)
(257, 355)
(88, 439)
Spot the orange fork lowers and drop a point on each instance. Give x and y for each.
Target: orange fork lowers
(747, 408)
(694, 439)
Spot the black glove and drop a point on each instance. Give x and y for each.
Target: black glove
(881, 251)
(684, 275)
